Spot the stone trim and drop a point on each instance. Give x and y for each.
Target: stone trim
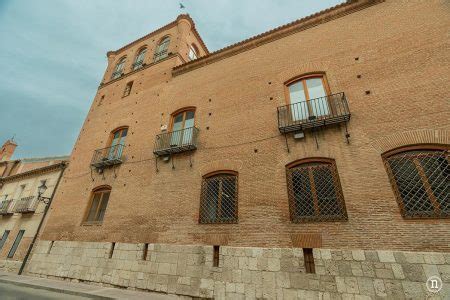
(412, 137)
(305, 23)
(251, 273)
(33, 172)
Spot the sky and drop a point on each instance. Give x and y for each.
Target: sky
(53, 54)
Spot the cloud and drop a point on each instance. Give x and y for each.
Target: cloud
(53, 54)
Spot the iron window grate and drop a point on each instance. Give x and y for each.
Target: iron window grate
(315, 193)
(219, 199)
(421, 183)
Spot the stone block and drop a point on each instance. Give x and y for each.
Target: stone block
(434, 258)
(358, 255)
(414, 257)
(398, 271)
(380, 288)
(414, 272)
(273, 264)
(282, 280)
(366, 286)
(386, 256)
(384, 273)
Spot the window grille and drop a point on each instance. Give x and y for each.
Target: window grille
(315, 193)
(219, 199)
(421, 182)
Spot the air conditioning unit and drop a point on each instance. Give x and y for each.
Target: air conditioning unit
(164, 127)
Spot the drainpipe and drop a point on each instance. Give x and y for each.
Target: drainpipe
(47, 207)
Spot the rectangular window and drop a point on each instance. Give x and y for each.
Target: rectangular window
(14, 247)
(216, 256)
(309, 260)
(4, 238)
(127, 90)
(219, 199)
(314, 192)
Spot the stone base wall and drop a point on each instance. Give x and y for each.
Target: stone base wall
(245, 273)
(12, 266)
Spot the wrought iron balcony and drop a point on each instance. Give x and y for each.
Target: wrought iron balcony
(5, 207)
(331, 109)
(109, 156)
(138, 65)
(116, 74)
(160, 55)
(176, 141)
(26, 204)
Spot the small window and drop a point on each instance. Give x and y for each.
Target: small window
(219, 199)
(127, 89)
(4, 238)
(14, 247)
(193, 53)
(98, 204)
(161, 49)
(309, 260)
(118, 70)
(139, 61)
(420, 179)
(314, 191)
(216, 255)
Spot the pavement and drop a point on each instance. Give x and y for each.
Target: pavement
(13, 286)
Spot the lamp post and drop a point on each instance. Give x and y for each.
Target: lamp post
(41, 190)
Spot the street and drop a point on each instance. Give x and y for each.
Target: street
(9, 291)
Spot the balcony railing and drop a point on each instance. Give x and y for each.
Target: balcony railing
(116, 74)
(176, 141)
(138, 65)
(331, 109)
(107, 156)
(160, 55)
(25, 205)
(5, 207)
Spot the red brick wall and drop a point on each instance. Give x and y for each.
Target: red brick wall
(402, 51)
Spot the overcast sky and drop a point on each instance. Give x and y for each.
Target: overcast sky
(53, 54)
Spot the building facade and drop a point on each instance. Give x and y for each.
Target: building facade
(21, 211)
(309, 161)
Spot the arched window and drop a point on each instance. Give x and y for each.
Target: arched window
(314, 191)
(308, 97)
(420, 177)
(181, 126)
(97, 204)
(139, 61)
(193, 52)
(117, 143)
(161, 49)
(118, 70)
(219, 198)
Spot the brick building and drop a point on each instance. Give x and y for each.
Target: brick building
(21, 211)
(309, 161)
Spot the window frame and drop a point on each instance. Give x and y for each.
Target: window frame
(423, 178)
(157, 56)
(4, 238)
(139, 64)
(317, 217)
(193, 49)
(127, 90)
(183, 110)
(302, 78)
(122, 62)
(98, 190)
(216, 221)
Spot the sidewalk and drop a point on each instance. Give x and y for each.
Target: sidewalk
(81, 289)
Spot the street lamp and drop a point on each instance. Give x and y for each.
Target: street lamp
(41, 190)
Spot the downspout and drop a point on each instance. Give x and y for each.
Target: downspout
(47, 207)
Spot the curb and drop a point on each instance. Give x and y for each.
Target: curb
(53, 289)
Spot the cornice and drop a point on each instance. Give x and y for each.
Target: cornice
(46, 169)
(305, 23)
(159, 30)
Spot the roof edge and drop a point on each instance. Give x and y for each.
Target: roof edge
(165, 27)
(307, 22)
(60, 165)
